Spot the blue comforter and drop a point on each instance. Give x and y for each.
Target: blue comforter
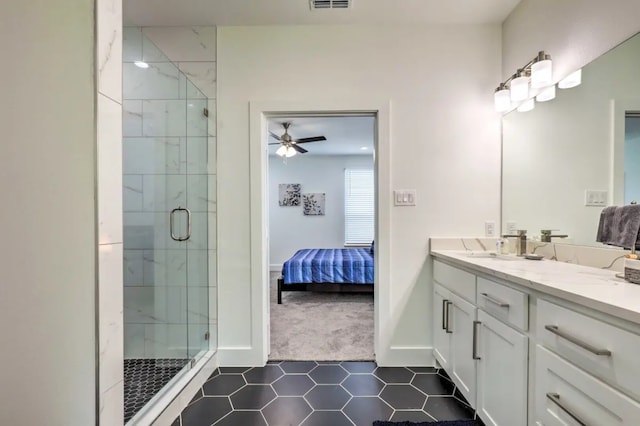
(347, 266)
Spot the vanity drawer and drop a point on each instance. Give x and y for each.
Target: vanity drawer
(606, 351)
(506, 304)
(455, 279)
(567, 395)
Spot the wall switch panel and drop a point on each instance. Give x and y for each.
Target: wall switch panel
(512, 228)
(404, 197)
(596, 198)
(489, 229)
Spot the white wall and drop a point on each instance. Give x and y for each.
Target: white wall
(48, 177)
(445, 143)
(573, 32)
(289, 229)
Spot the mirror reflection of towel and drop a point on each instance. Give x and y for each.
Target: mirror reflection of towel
(620, 226)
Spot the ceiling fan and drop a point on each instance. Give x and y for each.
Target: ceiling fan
(289, 146)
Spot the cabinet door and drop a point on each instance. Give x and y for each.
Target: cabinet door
(463, 366)
(502, 373)
(441, 338)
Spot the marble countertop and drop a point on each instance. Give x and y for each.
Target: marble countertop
(594, 288)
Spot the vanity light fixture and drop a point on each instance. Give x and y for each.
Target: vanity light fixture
(532, 80)
(572, 80)
(546, 94)
(527, 105)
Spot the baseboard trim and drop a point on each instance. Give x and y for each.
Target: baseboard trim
(275, 267)
(407, 356)
(240, 356)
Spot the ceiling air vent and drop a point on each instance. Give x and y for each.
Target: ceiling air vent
(330, 4)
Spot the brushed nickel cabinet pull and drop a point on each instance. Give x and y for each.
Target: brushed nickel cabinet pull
(444, 316)
(448, 329)
(555, 398)
(584, 345)
(475, 340)
(492, 299)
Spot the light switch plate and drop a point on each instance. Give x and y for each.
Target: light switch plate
(512, 228)
(489, 229)
(404, 197)
(593, 197)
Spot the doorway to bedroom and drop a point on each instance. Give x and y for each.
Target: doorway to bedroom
(321, 188)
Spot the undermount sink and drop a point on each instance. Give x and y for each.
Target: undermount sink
(491, 255)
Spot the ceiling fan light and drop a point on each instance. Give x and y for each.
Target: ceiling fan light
(282, 150)
(572, 80)
(290, 152)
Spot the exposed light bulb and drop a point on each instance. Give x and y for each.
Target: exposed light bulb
(572, 80)
(541, 71)
(281, 151)
(141, 64)
(527, 105)
(520, 88)
(502, 98)
(546, 94)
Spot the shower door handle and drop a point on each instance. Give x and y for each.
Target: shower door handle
(171, 220)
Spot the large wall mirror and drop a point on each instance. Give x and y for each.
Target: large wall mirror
(587, 139)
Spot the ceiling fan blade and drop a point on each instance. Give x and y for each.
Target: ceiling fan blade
(273, 135)
(312, 139)
(276, 143)
(300, 149)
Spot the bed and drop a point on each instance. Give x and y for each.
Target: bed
(337, 270)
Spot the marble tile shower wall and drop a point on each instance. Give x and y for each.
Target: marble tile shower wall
(168, 161)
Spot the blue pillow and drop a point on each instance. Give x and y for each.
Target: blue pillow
(371, 249)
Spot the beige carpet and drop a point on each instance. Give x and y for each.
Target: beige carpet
(311, 326)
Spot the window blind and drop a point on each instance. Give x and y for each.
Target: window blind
(359, 209)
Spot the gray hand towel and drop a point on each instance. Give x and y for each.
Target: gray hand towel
(620, 226)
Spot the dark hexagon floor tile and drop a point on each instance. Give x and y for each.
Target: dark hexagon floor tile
(364, 410)
(359, 367)
(447, 408)
(293, 385)
(267, 374)
(327, 397)
(328, 374)
(233, 370)
(424, 370)
(326, 418)
(252, 397)
(286, 410)
(416, 416)
(206, 411)
(403, 397)
(196, 397)
(433, 384)
(176, 422)
(244, 418)
(298, 366)
(224, 384)
(363, 385)
(394, 374)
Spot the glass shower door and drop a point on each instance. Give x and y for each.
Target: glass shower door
(166, 208)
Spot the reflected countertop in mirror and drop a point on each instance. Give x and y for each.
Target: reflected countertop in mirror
(573, 144)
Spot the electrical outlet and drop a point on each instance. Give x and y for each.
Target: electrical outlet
(489, 229)
(512, 228)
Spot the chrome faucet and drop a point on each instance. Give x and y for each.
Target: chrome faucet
(521, 235)
(545, 235)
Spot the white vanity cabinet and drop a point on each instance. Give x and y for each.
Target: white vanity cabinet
(523, 353)
(485, 357)
(502, 372)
